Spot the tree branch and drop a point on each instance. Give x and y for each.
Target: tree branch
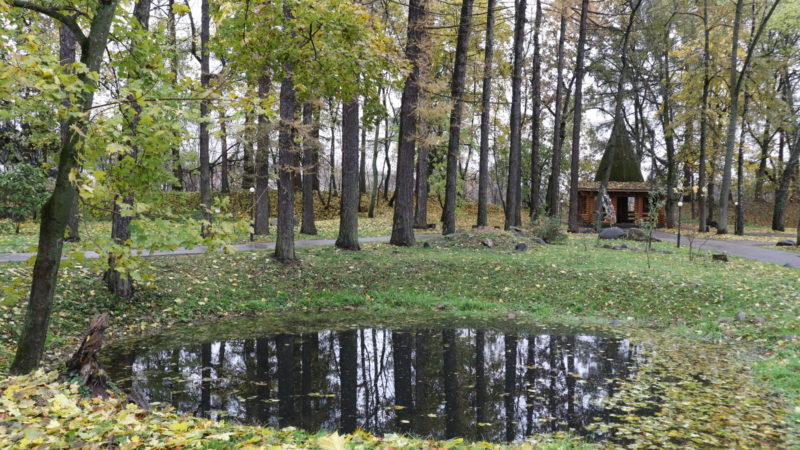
(68, 21)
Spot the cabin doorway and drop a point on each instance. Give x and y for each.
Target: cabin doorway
(623, 210)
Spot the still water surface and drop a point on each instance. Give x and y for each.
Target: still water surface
(439, 382)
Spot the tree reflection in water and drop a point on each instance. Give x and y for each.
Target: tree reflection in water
(442, 383)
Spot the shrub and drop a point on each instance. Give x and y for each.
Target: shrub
(22, 192)
(548, 229)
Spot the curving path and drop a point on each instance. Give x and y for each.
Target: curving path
(744, 249)
(21, 257)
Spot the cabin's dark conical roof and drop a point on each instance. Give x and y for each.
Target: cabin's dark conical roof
(625, 166)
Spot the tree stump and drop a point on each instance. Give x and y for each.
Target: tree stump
(84, 363)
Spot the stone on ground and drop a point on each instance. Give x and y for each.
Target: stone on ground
(613, 233)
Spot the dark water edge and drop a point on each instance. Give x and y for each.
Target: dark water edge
(484, 379)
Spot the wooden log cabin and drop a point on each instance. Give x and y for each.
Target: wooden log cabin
(630, 200)
(626, 188)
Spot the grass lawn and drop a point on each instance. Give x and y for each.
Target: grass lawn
(572, 283)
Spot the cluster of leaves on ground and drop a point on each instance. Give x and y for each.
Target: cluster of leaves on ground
(39, 411)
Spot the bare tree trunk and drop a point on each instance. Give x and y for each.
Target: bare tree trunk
(536, 108)
(205, 77)
(486, 97)
(555, 173)
(284, 246)
(669, 136)
(739, 227)
(702, 195)
(733, 115)
(403, 220)
(310, 146)
(348, 207)
(225, 185)
(421, 192)
(386, 146)
(457, 93)
(574, 223)
(55, 213)
(248, 155)
(262, 200)
(373, 198)
(332, 174)
(177, 169)
(362, 168)
(514, 187)
(66, 52)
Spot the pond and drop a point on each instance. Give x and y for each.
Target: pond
(496, 380)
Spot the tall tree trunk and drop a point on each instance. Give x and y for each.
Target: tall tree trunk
(66, 52)
(332, 159)
(403, 220)
(739, 226)
(262, 200)
(310, 147)
(205, 77)
(736, 83)
(536, 120)
(421, 191)
(284, 246)
(514, 187)
(120, 283)
(177, 169)
(733, 115)
(669, 135)
(362, 168)
(702, 193)
(55, 212)
(348, 207)
(387, 159)
(555, 166)
(574, 222)
(486, 97)
(248, 155)
(457, 94)
(225, 185)
(373, 197)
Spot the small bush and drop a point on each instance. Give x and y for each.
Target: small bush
(22, 192)
(549, 230)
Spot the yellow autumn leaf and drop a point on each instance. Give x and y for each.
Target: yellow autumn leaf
(125, 418)
(179, 427)
(332, 441)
